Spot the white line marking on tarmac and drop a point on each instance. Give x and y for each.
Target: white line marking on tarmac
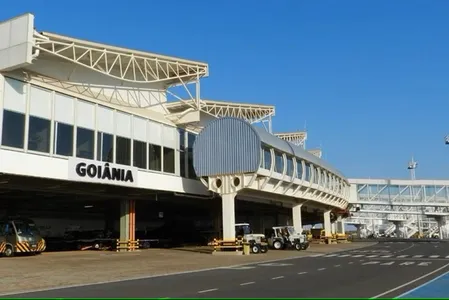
(337, 266)
(207, 291)
(434, 256)
(279, 277)
(386, 256)
(413, 245)
(331, 255)
(387, 263)
(301, 273)
(411, 282)
(247, 283)
(358, 255)
(344, 255)
(371, 256)
(351, 262)
(402, 256)
(417, 256)
(321, 269)
(424, 264)
(371, 263)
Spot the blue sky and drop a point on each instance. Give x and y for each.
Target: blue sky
(370, 78)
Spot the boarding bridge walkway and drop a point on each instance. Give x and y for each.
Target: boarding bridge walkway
(241, 161)
(414, 206)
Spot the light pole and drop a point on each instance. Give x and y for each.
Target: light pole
(412, 165)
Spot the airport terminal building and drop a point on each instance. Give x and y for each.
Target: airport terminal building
(90, 141)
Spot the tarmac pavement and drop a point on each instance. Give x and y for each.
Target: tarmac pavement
(382, 270)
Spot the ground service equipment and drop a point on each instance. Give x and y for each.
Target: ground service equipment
(20, 235)
(258, 241)
(283, 237)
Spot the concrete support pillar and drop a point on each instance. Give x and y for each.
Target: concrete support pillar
(333, 227)
(127, 220)
(341, 225)
(228, 212)
(358, 228)
(327, 224)
(297, 218)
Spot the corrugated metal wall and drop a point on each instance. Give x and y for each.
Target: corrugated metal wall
(227, 146)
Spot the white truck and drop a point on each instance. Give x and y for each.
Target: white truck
(258, 241)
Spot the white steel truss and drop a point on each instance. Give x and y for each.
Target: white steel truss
(139, 79)
(252, 113)
(118, 95)
(119, 63)
(297, 138)
(316, 152)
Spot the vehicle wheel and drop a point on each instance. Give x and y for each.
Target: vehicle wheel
(263, 249)
(277, 245)
(146, 245)
(298, 246)
(255, 249)
(9, 251)
(304, 246)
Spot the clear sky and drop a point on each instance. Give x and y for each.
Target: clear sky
(370, 78)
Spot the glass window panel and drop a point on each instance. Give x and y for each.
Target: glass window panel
(64, 139)
(192, 173)
(267, 158)
(190, 139)
(85, 143)
(13, 131)
(39, 134)
(169, 160)
(279, 163)
(289, 166)
(182, 139)
(140, 154)
(299, 170)
(182, 153)
(123, 151)
(154, 157)
(105, 147)
(308, 174)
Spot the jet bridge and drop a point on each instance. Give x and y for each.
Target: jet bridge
(236, 159)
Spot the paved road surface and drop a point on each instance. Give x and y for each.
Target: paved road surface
(382, 270)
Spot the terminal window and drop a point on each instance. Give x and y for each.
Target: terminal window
(190, 141)
(39, 134)
(140, 154)
(105, 147)
(85, 143)
(266, 158)
(123, 151)
(182, 152)
(289, 166)
(13, 130)
(299, 170)
(279, 162)
(154, 157)
(308, 174)
(169, 160)
(63, 139)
